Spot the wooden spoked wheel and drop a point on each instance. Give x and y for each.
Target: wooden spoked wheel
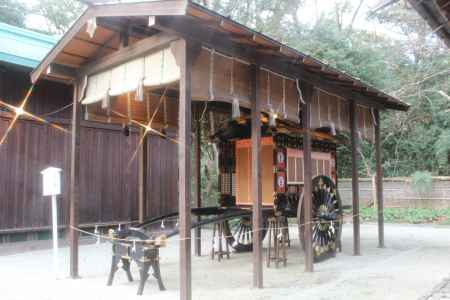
(326, 219)
(239, 233)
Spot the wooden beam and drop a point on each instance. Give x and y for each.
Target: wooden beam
(143, 169)
(355, 179)
(61, 71)
(256, 185)
(198, 185)
(308, 91)
(184, 166)
(379, 180)
(135, 50)
(124, 37)
(188, 28)
(104, 45)
(431, 12)
(74, 189)
(74, 29)
(154, 8)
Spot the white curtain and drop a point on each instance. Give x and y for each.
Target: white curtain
(155, 69)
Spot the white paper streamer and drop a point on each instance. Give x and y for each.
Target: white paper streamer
(91, 27)
(139, 96)
(299, 90)
(236, 110)
(96, 231)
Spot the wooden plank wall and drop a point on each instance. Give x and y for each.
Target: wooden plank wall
(109, 183)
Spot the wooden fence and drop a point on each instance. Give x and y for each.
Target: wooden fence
(399, 193)
(109, 189)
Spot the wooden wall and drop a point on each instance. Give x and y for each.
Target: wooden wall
(109, 190)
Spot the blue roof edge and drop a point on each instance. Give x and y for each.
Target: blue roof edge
(29, 33)
(36, 45)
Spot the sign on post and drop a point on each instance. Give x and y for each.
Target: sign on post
(51, 181)
(52, 187)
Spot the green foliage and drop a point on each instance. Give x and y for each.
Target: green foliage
(442, 151)
(59, 14)
(409, 63)
(12, 12)
(210, 176)
(422, 182)
(408, 215)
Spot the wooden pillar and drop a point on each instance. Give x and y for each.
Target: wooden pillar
(355, 180)
(379, 180)
(198, 185)
(184, 167)
(142, 178)
(256, 186)
(308, 92)
(74, 183)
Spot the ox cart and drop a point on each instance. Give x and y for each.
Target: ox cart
(282, 178)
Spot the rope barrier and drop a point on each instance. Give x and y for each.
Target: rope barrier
(99, 236)
(57, 110)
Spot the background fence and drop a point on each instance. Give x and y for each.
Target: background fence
(398, 192)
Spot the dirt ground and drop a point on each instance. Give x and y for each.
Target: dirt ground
(416, 260)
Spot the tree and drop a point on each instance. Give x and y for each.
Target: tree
(59, 14)
(12, 12)
(409, 63)
(269, 16)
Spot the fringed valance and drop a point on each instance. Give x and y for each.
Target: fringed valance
(217, 77)
(156, 69)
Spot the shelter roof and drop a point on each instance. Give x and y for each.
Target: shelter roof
(185, 19)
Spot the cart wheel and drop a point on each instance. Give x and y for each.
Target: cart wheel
(239, 233)
(326, 219)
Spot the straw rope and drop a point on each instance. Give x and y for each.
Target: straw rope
(161, 233)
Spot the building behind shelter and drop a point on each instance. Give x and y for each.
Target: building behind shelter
(110, 179)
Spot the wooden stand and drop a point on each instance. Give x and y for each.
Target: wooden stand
(219, 228)
(145, 256)
(278, 241)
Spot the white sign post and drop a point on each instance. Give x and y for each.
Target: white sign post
(52, 187)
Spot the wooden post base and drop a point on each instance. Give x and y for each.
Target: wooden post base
(278, 241)
(220, 252)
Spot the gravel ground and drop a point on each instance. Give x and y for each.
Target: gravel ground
(414, 262)
(440, 292)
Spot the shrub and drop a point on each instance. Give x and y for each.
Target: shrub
(421, 182)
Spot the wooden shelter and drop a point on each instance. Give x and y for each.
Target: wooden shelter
(121, 58)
